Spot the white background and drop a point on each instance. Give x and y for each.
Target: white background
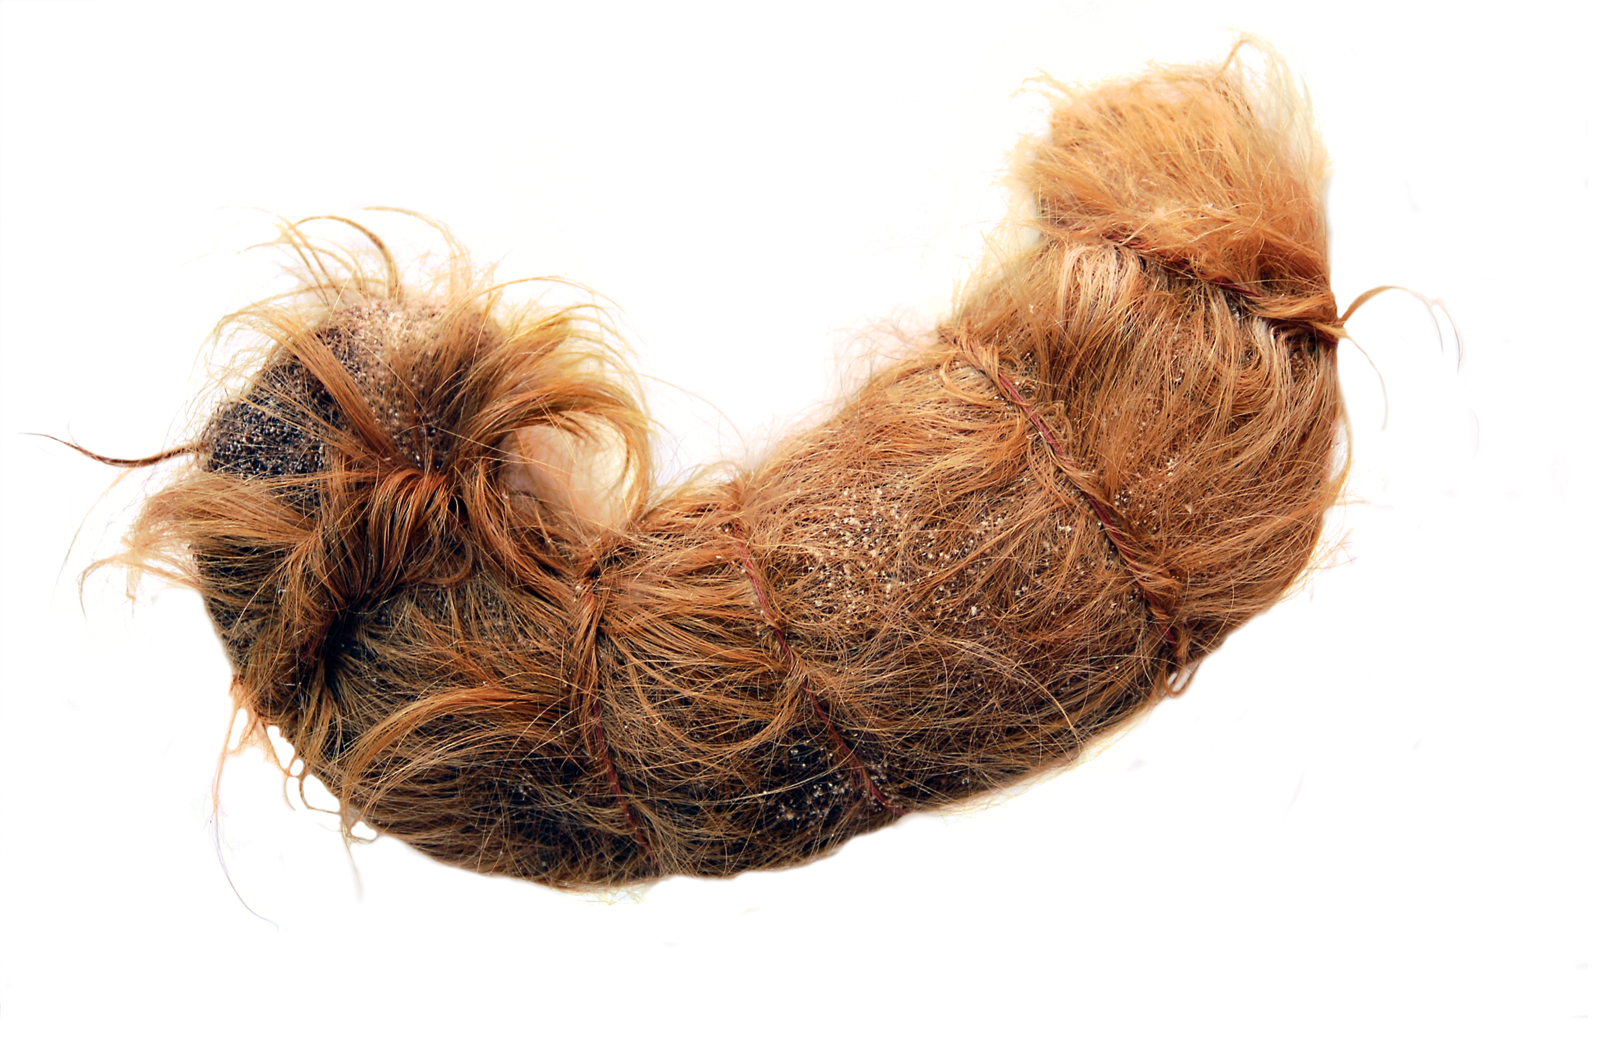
(1366, 832)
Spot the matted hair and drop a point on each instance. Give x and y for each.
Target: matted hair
(1022, 531)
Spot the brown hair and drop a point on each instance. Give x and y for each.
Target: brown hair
(1021, 532)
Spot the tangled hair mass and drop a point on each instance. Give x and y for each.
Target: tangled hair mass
(1023, 530)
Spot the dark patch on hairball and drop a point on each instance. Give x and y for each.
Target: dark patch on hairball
(280, 427)
(283, 424)
(809, 792)
(809, 801)
(276, 429)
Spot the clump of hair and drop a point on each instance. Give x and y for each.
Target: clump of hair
(1019, 534)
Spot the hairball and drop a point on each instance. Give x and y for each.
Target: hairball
(426, 532)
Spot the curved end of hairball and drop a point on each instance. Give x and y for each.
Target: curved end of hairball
(386, 433)
(1214, 170)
